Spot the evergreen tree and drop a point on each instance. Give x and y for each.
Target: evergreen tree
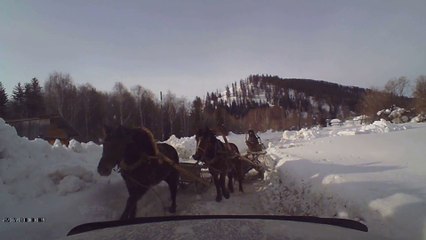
(228, 93)
(18, 102)
(3, 101)
(35, 100)
(196, 114)
(208, 106)
(28, 100)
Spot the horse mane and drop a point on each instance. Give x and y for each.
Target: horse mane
(145, 139)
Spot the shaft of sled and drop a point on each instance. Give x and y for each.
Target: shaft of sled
(182, 170)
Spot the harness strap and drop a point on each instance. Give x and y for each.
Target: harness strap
(143, 159)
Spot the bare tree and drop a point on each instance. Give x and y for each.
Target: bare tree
(119, 92)
(143, 98)
(397, 87)
(124, 103)
(170, 111)
(60, 94)
(420, 94)
(91, 112)
(373, 101)
(183, 107)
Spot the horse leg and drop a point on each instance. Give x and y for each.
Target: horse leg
(131, 204)
(231, 181)
(240, 182)
(172, 181)
(238, 173)
(217, 184)
(222, 185)
(261, 174)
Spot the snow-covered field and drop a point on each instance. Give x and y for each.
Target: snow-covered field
(373, 173)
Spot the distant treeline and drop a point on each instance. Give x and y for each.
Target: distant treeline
(259, 102)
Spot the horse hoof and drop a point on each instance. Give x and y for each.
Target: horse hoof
(218, 199)
(226, 195)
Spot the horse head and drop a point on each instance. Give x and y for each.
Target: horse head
(114, 147)
(125, 144)
(206, 144)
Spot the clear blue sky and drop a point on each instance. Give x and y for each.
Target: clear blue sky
(191, 47)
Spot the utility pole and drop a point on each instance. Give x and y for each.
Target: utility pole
(300, 112)
(161, 116)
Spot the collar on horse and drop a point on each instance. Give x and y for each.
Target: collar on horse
(214, 158)
(143, 159)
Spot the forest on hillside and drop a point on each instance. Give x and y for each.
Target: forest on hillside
(259, 102)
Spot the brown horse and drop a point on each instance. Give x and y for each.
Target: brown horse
(141, 164)
(220, 161)
(238, 169)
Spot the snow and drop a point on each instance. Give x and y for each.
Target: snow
(396, 114)
(377, 178)
(335, 121)
(419, 118)
(326, 107)
(370, 173)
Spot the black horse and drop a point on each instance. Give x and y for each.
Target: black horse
(142, 163)
(220, 160)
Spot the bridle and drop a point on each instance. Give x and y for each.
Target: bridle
(203, 151)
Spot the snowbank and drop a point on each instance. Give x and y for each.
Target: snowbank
(375, 178)
(184, 146)
(382, 126)
(303, 134)
(32, 168)
(396, 114)
(348, 128)
(42, 180)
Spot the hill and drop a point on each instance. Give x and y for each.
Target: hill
(285, 102)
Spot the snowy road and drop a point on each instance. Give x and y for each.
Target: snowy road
(374, 174)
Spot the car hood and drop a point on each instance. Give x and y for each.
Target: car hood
(216, 227)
